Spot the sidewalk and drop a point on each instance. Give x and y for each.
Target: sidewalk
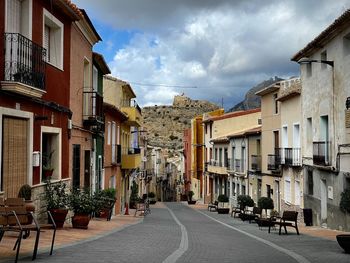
(315, 231)
(66, 236)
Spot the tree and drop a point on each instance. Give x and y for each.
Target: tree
(265, 203)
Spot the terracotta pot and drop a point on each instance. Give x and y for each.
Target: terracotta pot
(59, 216)
(81, 221)
(30, 207)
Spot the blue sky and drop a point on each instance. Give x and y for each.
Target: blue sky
(221, 47)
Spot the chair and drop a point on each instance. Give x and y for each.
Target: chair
(289, 218)
(235, 211)
(18, 221)
(213, 206)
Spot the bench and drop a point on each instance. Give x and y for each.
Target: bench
(288, 219)
(212, 206)
(236, 210)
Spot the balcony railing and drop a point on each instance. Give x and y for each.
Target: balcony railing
(292, 156)
(93, 108)
(24, 61)
(273, 162)
(238, 165)
(256, 162)
(229, 164)
(131, 103)
(321, 153)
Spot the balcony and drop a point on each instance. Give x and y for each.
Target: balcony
(292, 157)
(273, 162)
(321, 153)
(215, 166)
(92, 109)
(24, 66)
(131, 158)
(239, 166)
(256, 163)
(133, 111)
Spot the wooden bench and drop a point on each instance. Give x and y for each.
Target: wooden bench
(288, 219)
(212, 206)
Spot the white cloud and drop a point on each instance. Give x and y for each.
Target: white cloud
(222, 47)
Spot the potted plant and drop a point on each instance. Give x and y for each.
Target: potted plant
(243, 202)
(190, 195)
(47, 165)
(223, 204)
(152, 198)
(56, 199)
(104, 202)
(82, 204)
(265, 203)
(134, 198)
(25, 192)
(344, 239)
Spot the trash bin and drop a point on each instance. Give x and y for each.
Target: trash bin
(307, 216)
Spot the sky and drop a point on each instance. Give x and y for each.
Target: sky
(205, 49)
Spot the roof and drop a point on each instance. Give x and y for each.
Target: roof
(88, 21)
(231, 115)
(99, 59)
(121, 115)
(222, 139)
(69, 9)
(246, 132)
(269, 89)
(324, 37)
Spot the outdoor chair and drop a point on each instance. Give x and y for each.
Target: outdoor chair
(236, 211)
(253, 215)
(213, 206)
(288, 219)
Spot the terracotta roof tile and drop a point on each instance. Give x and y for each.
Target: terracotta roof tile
(74, 8)
(232, 114)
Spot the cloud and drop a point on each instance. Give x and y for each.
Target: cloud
(222, 47)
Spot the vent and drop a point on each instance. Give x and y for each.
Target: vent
(347, 118)
(260, 121)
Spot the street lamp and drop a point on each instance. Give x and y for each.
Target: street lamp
(305, 60)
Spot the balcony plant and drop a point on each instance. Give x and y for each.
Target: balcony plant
(344, 239)
(82, 204)
(265, 203)
(56, 198)
(223, 204)
(152, 198)
(25, 192)
(190, 195)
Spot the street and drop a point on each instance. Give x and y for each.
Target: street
(178, 233)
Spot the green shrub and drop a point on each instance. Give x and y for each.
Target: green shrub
(222, 199)
(109, 193)
(265, 203)
(245, 200)
(55, 195)
(345, 201)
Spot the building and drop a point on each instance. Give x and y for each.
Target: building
(324, 64)
(35, 113)
(187, 139)
(270, 179)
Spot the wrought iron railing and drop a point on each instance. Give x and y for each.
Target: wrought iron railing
(131, 103)
(93, 107)
(292, 156)
(24, 61)
(256, 162)
(322, 153)
(273, 162)
(238, 165)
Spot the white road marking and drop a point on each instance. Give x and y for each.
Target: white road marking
(297, 257)
(183, 244)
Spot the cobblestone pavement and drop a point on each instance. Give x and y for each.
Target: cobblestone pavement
(181, 234)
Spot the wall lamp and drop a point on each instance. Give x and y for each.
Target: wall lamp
(306, 60)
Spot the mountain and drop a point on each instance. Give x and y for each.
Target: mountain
(252, 101)
(165, 124)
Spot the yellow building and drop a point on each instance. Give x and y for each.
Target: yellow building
(120, 94)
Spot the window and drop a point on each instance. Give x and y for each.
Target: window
(51, 140)
(324, 57)
(114, 147)
(310, 182)
(285, 136)
(287, 192)
(53, 39)
(275, 96)
(109, 133)
(346, 45)
(211, 130)
(19, 17)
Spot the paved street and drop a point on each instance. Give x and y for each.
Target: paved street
(181, 234)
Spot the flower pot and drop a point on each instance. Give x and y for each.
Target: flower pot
(81, 221)
(59, 216)
(344, 242)
(30, 207)
(192, 202)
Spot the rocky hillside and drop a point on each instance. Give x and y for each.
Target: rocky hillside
(165, 124)
(251, 101)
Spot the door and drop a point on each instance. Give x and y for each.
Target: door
(323, 202)
(87, 168)
(76, 165)
(14, 155)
